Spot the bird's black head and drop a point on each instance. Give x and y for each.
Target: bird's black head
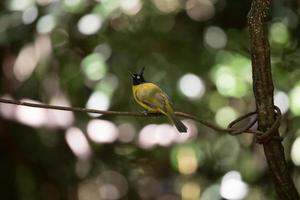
(138, 78)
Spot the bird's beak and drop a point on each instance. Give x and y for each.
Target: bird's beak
(142, 71)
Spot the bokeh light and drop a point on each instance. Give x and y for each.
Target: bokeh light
(281, 100)
(290, 19)
(165, 135)
(191, 134)
(102, 131)
(107, 185)
(60, 37)
(112, 185)
(166, 6)
(294, 99)
(215, 37)
(107, 85)
(34, 117)
(187, 160)
(190, 190)
(225, 156)
(225, 115)
(88, 190)
(7, 111)
(89, 24)
(127, 132)
(108, 8)
(37, 117)
(232, 186)
(279, 33)
(228, 84)
(131, 7)
(295, 152)
(104, 49)
(78, 143)
(25, 63)
(43, 47)
(29, 56)
(192, 86)
(15, 5)
(30, 15)
(211, 193)
(152, 135)
(94, 66)
(200, 10)
(59, 118)
(46, 24)
(232, 74)
(109, 191)
(73, 5)
(98, 100)
(83, 167)
(146, 137)
(45, 2)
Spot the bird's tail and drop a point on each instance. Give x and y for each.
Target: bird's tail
(178, 124)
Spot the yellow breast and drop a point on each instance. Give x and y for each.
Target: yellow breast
(144, 95)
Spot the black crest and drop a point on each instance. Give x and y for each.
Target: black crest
(139, 77)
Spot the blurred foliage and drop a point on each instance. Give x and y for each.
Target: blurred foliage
(79, 53)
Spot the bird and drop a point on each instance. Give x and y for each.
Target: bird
(153, 99)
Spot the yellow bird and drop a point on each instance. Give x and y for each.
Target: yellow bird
(153, 99)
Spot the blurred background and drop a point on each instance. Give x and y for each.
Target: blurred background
(78, 53)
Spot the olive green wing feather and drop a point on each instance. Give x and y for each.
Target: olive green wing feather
(155, 99)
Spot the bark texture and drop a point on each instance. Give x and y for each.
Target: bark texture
(263, 91)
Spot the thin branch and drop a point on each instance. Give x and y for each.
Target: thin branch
(230, 130)
(75, 109)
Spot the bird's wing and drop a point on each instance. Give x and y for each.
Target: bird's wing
(166, 104)
(154, 98)
(149, 104)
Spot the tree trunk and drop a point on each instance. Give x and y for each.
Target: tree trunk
(263, 91)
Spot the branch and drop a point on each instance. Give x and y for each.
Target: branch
(231, 130)
(263, 91)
